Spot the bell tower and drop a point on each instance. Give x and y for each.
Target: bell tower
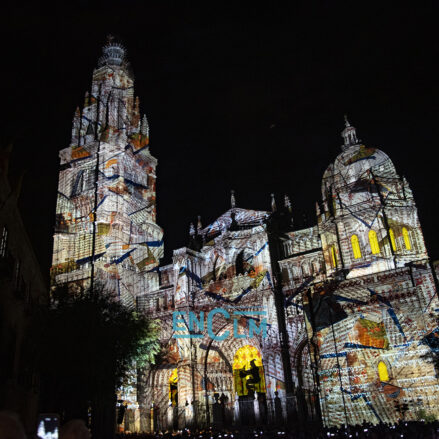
(106, 230)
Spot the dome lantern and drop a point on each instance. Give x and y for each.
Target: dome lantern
(349, 135)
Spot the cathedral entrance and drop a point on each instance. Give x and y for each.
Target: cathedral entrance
(173, 397)
(249, 381)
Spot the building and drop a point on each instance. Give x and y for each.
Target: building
(23, 292)
(105, 215)
(260, 322)
(353, 298)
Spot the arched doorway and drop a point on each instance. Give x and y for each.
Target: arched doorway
(249, 382)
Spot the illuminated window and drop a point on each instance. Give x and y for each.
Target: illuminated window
(392, 239)
(383, 372)
(355, 246)
(173, 388)
(4, 242)
(405, 235)
(373, 241)
(248, 371)
(333, 257)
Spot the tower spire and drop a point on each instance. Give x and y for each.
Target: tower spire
(232, 199)
(144, 128)
(287, 203)
(191, 229)
(349, 134)
(273, 203)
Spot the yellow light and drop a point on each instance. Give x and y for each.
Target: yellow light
(244, 355)
(392, 239)
(373, 240)
(334, 257)
(383, 372)
(356, 246)
(405, 235)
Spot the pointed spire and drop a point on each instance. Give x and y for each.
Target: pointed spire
(287, 203)
(273, 203)
(86, 100)
(191, 229)
(317, 209)
(199, 225)
(232, 199)
(144, 129)
(349, 135)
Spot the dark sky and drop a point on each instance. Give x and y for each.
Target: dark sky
(237, 97)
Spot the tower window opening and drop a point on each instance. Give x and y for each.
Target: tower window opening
(407, 242)
(333, 257)
(355, 246)
(373, 241)
(392, 239)
(383, 372)
(4, 242)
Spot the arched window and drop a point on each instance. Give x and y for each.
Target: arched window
(240, 263)
(333, 257)
(373, 241)
(383, 372)
(355, 247)
(392, 239)
(407, 242)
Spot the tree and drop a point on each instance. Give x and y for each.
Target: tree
(87, 344)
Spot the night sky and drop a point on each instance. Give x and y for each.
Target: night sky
(238, 97)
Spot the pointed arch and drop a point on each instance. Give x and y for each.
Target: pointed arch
(373, 241)
(356, 246)
(406, 236)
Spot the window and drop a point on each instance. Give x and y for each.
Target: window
(355, 247)
(373, 241)
(4, 242)
(17, 274)
(392, 239)
(383, 372)
(407, 242)
(240, 263)
(333, 257)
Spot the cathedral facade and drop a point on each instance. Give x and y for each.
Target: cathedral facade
(261, 323)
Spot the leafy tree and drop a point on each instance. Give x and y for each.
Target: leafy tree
(87, 344)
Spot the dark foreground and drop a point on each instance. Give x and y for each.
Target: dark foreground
(411, 430)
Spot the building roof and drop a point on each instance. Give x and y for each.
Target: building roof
(243, 217)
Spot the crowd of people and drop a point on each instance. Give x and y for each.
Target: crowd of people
(410, 430)
(11, 428)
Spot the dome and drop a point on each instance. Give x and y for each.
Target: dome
(355, 163)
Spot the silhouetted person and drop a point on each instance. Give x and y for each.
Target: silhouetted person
(74, 429)
(10, 426)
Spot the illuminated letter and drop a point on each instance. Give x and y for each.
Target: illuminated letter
(355, 246)
(253, 327)
(209, 324)
(236, 334)
(193, 319)
(175, 321)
